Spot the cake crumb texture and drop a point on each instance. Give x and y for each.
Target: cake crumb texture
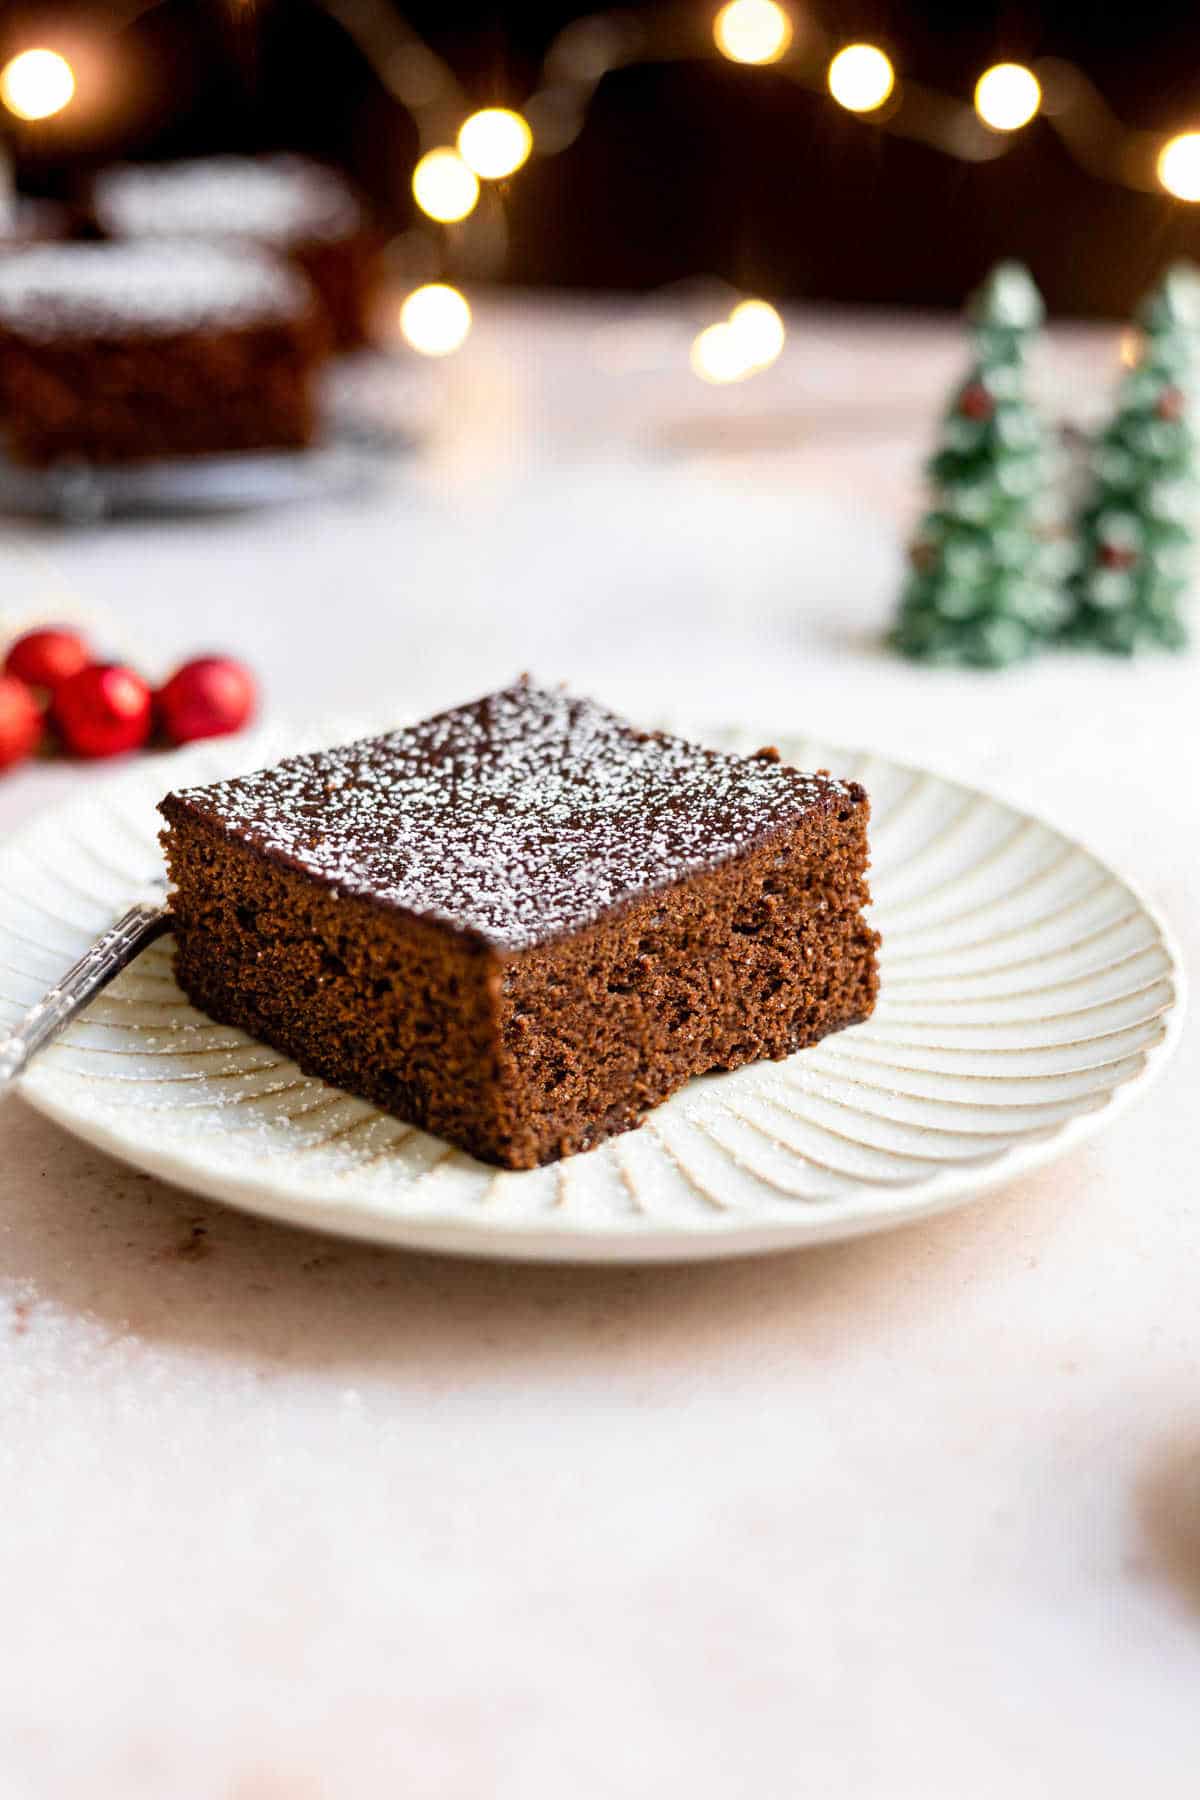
(529, 1019)
(120, 353)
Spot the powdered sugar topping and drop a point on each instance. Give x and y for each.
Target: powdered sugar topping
(276, 199)
(63, 290)
(519, 818)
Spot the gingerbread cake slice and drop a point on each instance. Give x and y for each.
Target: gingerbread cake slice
(284, 203)
(118, 353)
(523, 923)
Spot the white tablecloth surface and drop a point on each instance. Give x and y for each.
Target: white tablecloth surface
(285, 1518)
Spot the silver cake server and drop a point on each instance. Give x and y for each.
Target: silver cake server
(147, 919)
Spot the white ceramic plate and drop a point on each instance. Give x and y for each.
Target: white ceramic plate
(372, 407)
(1027, 994)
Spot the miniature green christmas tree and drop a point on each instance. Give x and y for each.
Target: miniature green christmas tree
(1136, 531)
(984, 583)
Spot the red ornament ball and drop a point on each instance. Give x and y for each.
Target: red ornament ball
(1171, 404)
(1116, 556)
(209, 697)
(20, 721)
(47, 657)
(975, 402)
(104, 710)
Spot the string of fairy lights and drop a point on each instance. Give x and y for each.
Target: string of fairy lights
(466, 157)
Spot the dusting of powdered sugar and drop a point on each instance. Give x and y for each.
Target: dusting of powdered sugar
(74, 290)
(519, 818)
(277, 199)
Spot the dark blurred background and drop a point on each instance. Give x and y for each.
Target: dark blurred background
(689, 168)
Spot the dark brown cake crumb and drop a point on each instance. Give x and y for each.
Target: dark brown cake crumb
(114, 353)
(524, 922)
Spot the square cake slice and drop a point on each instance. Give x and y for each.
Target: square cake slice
(128, 353)
(523, 923)
(284, 203)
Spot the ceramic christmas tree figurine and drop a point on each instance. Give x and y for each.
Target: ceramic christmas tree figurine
(1004, 314)
(984, 586)
(1136, 531)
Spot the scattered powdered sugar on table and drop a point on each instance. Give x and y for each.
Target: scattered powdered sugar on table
(64, 290)
(520, 817)
(278, 199)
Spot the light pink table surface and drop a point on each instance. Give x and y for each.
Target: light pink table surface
(283, 1518)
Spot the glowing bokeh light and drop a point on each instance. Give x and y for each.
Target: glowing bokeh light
(444, 187)
(1130, 348)
(759, 331)
(435, 319)
(495, 142)
(717, 355)
(752, 31)
(1007, 96)
(36, 84)
(861, 77)
(1179, 166)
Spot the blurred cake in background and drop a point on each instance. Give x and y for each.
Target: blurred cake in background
(24, 221)
(118, 353)
(298, 208)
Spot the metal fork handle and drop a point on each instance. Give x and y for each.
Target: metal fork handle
(50, 1015)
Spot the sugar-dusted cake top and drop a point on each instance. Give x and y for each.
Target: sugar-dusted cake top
(519, 818)
(85, 290)
(277, 199)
